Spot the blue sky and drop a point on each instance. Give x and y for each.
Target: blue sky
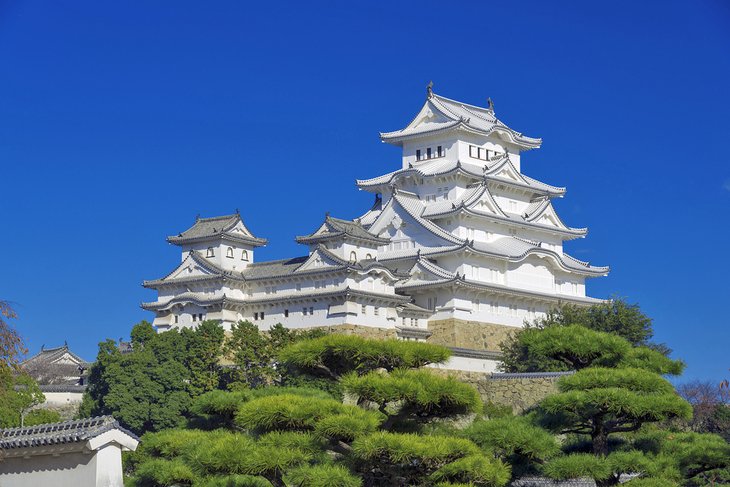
(121, 121)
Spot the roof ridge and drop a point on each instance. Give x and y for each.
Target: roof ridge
(435, 95)
(215, 218)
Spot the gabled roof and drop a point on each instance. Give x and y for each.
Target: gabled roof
(205, 300)
(441, 167)
(57, 366)
(410, 285)
(512, 249)
(229, 226)
(467, 203)
(64, 433)
(335, 228)
(440, 114)
(209, 270)
(54, 355)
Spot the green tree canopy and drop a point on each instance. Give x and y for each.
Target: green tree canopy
(575, 347)
(382, 435)
(151, 388)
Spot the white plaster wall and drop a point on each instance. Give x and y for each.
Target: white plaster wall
(468, 364)
(449, 145)
(220, 253)
(62, 398)
(66, 470)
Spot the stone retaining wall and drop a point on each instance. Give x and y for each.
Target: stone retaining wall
(469, 334)
(517, 391)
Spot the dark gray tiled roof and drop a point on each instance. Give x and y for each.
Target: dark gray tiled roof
(62, 388)
(59, 433)
(47, 368)
(545, 482)
(48, 355)
(205, 228)
(529, 375)
(273, 268)
(336, 227)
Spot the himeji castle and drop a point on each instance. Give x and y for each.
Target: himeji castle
(459, 248)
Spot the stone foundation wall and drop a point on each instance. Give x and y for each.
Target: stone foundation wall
(469, 334)
(518, 391)
(363, 331)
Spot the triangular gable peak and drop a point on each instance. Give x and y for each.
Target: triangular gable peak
(321, 259)
(193, 266)
(424, 270)
(54, 356)
(402, 214)
(484, 202)
(440, 114)
(543, 212)
(336, 228)
(216, 228)
(506, 170)
(429, 114)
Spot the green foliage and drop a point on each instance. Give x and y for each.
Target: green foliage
(252, 353)
(513, 437)
(18, 394)
(693, 453)
(348, 425)
(560, 350)
(575, 347)
(232, 481)
(203, 353)
(417, 392)
(333, 356)
(604, 401)
(649, 359)
(163, 473)
(152, 387)
(405, 448)
(577, 466)
(41, 416)
(476, 469)
(615, 316)
(255, 353)
(405, 458)
(293, 412)
(323, 476)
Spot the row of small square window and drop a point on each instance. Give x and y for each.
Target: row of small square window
(429, 154)
(229, 253)
(305, 311)
(482, 153)
(196, 317)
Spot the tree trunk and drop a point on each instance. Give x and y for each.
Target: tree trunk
(599, 439)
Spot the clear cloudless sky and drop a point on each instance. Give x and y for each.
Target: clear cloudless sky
(121, 121)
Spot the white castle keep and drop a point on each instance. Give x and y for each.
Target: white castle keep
(458, 249)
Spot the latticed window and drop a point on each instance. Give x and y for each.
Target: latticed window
(210, 252)
(229, 252)
(244, 255)
(353, 257)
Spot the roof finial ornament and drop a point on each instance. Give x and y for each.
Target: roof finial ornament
(326, 214)
(197, 217)
(429, 89)
(490, 104)
(238, 212)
